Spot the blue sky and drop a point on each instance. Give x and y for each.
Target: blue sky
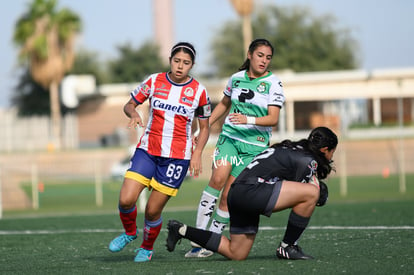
(384, 29)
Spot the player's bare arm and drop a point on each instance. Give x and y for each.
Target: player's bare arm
(221, 109)
(131, 112)
(195, 163)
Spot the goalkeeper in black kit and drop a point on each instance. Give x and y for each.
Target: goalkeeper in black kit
(287, 175)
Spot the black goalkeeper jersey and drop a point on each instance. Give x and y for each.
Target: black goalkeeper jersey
(281, 163)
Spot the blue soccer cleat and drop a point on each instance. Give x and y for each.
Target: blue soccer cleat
(120, 242)
(143, 255)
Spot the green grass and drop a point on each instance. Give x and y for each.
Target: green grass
(370, 231)
(78, 245)
(371, 188)
(78, 196)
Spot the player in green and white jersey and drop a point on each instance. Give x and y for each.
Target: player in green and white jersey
(252, 98)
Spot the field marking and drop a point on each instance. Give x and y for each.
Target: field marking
(263, 228)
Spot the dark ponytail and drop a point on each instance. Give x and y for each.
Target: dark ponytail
(320, 137)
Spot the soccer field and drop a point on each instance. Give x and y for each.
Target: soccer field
(357, 238)
(370, 231)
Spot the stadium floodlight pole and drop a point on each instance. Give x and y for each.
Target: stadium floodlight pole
(163, 16)
(244, 8)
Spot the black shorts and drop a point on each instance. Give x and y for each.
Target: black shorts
(246, 202)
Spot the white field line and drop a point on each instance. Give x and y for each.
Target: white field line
(264, 228)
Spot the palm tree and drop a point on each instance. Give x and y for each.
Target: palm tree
(46, 39)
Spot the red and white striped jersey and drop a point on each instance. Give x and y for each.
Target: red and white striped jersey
(172, 109)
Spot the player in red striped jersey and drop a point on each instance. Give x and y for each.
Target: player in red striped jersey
(164, 152)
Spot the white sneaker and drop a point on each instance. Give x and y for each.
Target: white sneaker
(198, 252)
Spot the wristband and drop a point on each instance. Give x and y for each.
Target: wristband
(251, 120)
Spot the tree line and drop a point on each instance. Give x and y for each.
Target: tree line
(45, 36)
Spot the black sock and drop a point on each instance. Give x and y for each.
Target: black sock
(204, 238)
(296, 225)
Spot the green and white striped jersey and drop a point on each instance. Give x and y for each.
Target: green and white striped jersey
(251, 98)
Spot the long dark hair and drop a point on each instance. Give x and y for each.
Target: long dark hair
(319, 137)
(253, 46)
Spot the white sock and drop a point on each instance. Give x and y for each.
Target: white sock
(220, 221)
(206, 207)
